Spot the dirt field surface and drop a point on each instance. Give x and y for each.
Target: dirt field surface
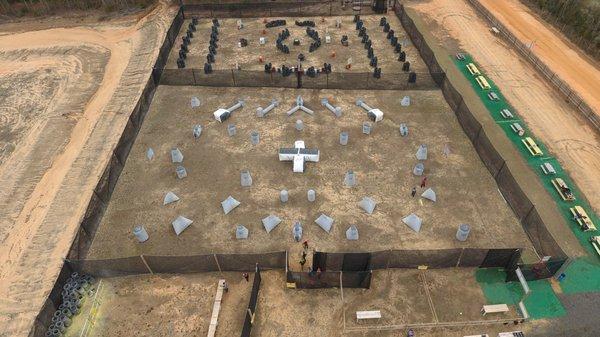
(564, 58)
(458, 27)
(181, 305)
(400, 294)
(166, 305)
(66, 96)
(382, 161)
(229, 53)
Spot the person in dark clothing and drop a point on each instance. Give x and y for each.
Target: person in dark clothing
(413, 192)
(246, 277)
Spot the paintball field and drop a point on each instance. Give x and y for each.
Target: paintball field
(229, 53)
(383, 162)
(165, 305)
(60, 117)
(457, 27)
(181, 305)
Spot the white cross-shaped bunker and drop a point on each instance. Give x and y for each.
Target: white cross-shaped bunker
(299, 154)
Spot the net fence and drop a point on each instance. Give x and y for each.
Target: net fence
(430, 259)
(145, 264)
(249, 318)
(533, 224)
(330, 279)
(333, 80)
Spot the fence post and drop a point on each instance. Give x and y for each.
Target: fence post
(217, 262)
(500, 170)
(146, 264)
(460, 257)
(387, 262)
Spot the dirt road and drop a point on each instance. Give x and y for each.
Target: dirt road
(458, 27)
(56, 150)
(552, 47)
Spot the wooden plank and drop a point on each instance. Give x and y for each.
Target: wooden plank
(214, 319)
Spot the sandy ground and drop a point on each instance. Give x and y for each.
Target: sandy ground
(564, 58)
(458, 27)
(56, 140)
(383, 162)
(166, 305)
(181, 305)
(229, 53)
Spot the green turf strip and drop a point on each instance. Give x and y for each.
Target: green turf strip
(583, 275)
(541, 302)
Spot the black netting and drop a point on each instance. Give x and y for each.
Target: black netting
(538, 271)
(334, 80)
(452, 96)
(487, 152)
(218, 78)
(467, 121)
(472, 257)
(247, 262)
(324, 279)
(278, 80)
(379, 260)
(102, 190)
(177, 77)
(512, 192)
(125, 142)
(330, 279)
(247, 327)
(500, 258)
(442, 258)
(182, 264)
(244, 78)
(334, 261)
(93, 215)
(540, 237)
(110, 267)
(318, 82)
(356, 262)
(357, 279)
(339, 80)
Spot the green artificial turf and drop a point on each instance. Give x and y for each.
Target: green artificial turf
(583, 275)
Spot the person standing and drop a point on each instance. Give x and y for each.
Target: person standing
(246, 277)
(423, 182)
(413, 192)
(305, 244)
